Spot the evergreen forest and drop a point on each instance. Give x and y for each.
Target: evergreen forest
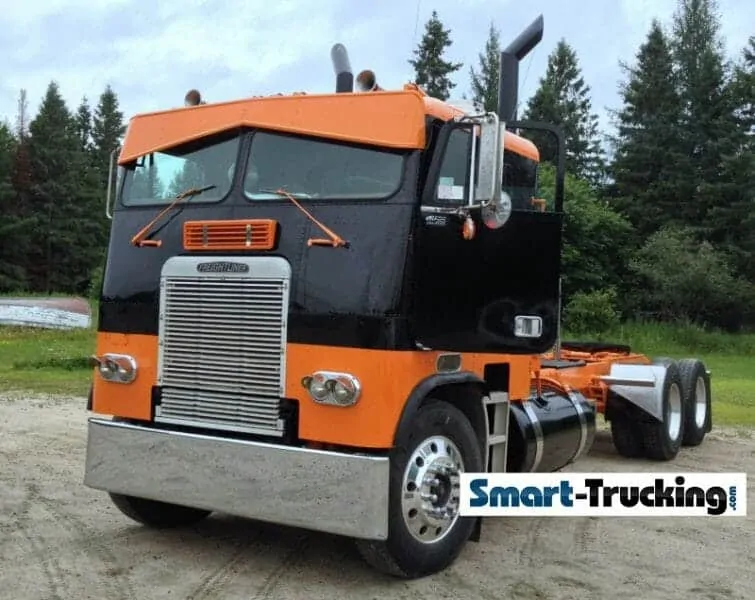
(660, 218)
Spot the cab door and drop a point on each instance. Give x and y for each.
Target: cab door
(474, 288)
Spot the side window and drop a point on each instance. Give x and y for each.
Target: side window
(519, 179)
(453, 182)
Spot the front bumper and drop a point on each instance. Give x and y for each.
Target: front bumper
(343, 494)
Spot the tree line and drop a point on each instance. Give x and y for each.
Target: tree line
(53, 176)
(660, 217)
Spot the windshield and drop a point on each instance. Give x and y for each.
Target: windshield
(308, 168)
(158, 177)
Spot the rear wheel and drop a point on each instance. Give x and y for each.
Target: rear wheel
(425, 532)
(158, 515)
(627, 437)
(696, 397)
(663, 439)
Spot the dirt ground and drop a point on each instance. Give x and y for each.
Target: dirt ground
(60, 540)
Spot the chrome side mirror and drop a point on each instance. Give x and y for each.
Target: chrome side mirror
(488, 188)
(111, 190)
(495, 205)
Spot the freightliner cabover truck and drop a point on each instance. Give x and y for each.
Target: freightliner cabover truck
(318, 310)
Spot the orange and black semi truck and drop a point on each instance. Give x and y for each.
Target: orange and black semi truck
(319, 309)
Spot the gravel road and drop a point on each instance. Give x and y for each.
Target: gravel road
(60, 540)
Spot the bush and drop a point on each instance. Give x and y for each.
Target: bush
(683, 280)
(592, 312)
(595, 240)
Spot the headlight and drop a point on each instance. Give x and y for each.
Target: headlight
(117, 368)
(336, 389)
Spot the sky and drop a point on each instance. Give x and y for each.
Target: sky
(152, 54)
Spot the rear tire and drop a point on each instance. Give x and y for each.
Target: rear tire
(425, 532)
(663, 439)
(627, 437)
(697, 400)
(158, 515)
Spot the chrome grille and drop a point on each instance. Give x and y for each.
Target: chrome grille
(222, 352)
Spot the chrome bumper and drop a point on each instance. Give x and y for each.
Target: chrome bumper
(325, 491)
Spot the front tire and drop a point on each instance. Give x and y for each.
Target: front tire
(425, 532)
(158, 515)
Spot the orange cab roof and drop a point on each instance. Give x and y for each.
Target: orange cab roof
(511, 141)
(396, 120)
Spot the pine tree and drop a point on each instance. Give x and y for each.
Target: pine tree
(743, 89)
(17, 207)
(84, 125)
(485, 83)
(12, 233)
(645, 166)
(432, 71)
(563, 98)
(21, 177)
(708, 131)
(108, 129)
(22, 117)
(65, 199)
(733, 216)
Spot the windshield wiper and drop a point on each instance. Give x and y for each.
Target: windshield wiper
(141, 239)
(335, 240)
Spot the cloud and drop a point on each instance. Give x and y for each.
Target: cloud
(153, 53)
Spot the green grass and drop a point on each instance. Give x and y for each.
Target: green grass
(44, 360)
(52, 361)
(729, 357)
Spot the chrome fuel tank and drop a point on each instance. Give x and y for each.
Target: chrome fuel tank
(547, 433)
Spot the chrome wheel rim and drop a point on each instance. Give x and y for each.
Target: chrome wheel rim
(701, 402)
(430, 491)
(674, 421)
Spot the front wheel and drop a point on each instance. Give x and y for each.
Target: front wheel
(425, 532)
